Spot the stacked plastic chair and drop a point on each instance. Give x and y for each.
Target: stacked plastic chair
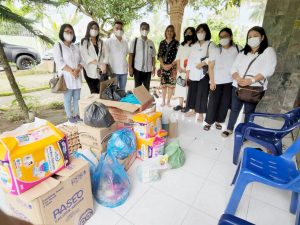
(227, 219)
(269, 138)
(276, 171)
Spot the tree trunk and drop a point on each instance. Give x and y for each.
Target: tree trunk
(176, 14)
(13, 83)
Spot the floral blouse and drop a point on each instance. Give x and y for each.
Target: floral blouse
(163, 48)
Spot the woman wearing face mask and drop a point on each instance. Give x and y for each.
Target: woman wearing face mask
(252, 67)
(68, 61)
(220, 62)
(166, 55)
(184, 50)
(197, 73)
(95, 56)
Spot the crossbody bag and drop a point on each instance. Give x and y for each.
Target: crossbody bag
(251, 94)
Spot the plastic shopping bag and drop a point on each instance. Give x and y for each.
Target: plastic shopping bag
(174, 154)
(111, 184)
(149, 170)
(89, 156)
(97, 115)
(122, 143)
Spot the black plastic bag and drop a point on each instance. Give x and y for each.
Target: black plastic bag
(113, 92)
(97, 115)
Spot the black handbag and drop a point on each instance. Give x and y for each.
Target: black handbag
(180, 81)
(251, 94)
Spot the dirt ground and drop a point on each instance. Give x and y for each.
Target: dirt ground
(55, 116)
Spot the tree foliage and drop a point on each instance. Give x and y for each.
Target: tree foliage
(105, 12)
(26, 14)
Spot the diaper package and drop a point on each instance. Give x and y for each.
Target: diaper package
(30, 154)
(150, 147)
(147, 125)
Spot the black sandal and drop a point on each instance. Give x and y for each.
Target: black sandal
(177, 108)
(218, 126)
(226, 133)
(207, 127)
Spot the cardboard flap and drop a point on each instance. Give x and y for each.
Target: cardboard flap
(40, 189)
(76, 164)
(90, 99)
(142, 94)
(120, 105)
(106, 83)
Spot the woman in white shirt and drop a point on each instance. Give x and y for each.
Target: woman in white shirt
(220, 63)
(252, 67)
(190, 38)
(68, 60)
(197, 73)
(94, 55)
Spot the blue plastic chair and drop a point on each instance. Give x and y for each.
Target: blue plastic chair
(227, 219)
(269, 138)
(276, 171)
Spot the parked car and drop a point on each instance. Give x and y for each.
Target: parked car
(48, 55)
(24, 57)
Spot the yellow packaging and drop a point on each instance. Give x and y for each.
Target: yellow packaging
(150, 147)
(147, 125)
(30, 154)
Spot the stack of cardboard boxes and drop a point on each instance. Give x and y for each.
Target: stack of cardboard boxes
(42, 184)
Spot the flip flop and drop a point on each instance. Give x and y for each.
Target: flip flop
(207, 127)
(218, 126)
(226, 133)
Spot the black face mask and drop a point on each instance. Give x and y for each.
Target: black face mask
(188, 38)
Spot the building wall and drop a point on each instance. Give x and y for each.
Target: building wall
(282, 24)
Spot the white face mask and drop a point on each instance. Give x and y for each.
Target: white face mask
(144, 33)
(68, 37)
(119, 33)
(201, 36)
(94, 32)
(254, 42)
(224, 41)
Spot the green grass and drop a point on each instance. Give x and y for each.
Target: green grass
(24, 91)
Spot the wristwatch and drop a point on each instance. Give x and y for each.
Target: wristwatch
(253, 80)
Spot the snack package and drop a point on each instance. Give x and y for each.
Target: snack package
(30, 154)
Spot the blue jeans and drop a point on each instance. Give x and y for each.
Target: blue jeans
(68, 96)
(236, 106)
(122, 80)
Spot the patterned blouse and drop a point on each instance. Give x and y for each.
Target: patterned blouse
(163, 48)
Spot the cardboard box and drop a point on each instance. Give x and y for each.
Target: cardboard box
(31, 154)
(96, 138)
(65, 198)
(121, 111)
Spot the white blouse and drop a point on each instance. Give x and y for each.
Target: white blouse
(223, 59)
(89, 54)
(183, 54)
(70, 56)
(265, 65)
(197, 53)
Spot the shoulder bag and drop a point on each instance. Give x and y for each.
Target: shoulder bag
(251, 94)
(57, 83)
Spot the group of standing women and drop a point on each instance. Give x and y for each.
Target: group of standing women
(206, 76)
